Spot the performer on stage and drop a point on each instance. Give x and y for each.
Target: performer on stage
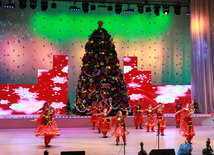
(196, 106)
(178, 115)
(138, 116)
(105, 121)
(150, 117)
(99, 110)
(187, 126)
(160, 121)
(45, 106)
(120, 127)
(46, 126)
(94, 112)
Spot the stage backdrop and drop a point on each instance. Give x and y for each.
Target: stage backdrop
(29, 39)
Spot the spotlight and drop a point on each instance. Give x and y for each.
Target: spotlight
(177, 9)
(166, 9)
(22, 4)
(148, 9)
(93, 7)
(129, 10)
(33, 4)
(10, 5)
(140, 8)
(110, 8)
(188, 12)
(118, 8)
(44, 5)
(74, 8)
(53, 5)
(85, 7)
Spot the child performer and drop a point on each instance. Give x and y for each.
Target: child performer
(161, 120)
(99, 110)
(178, 115)
(150, 117)
(105, 121)
(119, 129)
(187, 126)
(138, 116)
(94, 112)
(46, 126)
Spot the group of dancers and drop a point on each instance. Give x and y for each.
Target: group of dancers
(47, 127)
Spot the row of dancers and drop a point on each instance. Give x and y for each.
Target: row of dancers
(47, 127)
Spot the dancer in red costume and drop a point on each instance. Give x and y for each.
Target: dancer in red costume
(187, 126)
(161, 120)
(105, 121)
(99, 110)
(94, 112)
(119, 129)
(178, 115)
(47, 126)
(150, 117)
(138, 116)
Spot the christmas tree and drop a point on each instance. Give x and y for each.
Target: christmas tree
(101, 77)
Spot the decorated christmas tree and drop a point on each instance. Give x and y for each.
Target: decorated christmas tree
(101, 78)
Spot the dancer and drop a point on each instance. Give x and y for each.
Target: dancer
(178, 115)
(94, 112)
(160, 121)
(150, 118)
(99, 110)
(46, 126)
(138, 117)
(105, 121)
(187, 126)
(196, 106)
(119, 129)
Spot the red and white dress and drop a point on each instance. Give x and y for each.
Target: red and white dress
(138, 116)
(187, 125)
(162, 122)
(47, 127)
(105, 122)
(119, 129)
(150, 119)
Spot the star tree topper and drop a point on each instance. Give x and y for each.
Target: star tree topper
(100, 23)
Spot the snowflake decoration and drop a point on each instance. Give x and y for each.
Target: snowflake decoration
(24, 93)
(134, 97)
(4, 102)
(56, 88)
(141, 77)
(127, 69)
(40, 71)
(133, 85)
(165, 99)
(127, 59)
(58, 105)
(65, 69)
(60, 80)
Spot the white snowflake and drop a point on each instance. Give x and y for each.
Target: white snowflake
(60, 80)
(24, 93)
(56, 88)
(4, 102)
(127, 59)
(127, 69)
(134, 97)
(133, 85)
(40, 71)
(65, 69)
(141, 77)
(58, 105)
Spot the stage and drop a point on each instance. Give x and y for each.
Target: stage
(70, 121)
(24, 142)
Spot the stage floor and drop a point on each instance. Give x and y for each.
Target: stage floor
(24, 142)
